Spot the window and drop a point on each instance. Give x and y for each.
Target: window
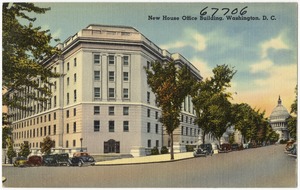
(75, 77)
(156, 115)
(68, 66)
(149, 143)
(67, 114)
(182, 130)
(75, 95)
(97, 92)
(111, 126)
(41, 131)
(74, 111)
(125, 126)
(148, 64)
(187, 131)
(111, 59)
(74, 127)
(125, 60)
(54, 115)
(111, 75)
(45, 131)
(49, 118)
(157, 143)
(67, 127)
(156, 128)
(111, 110)
(68, 81)
(125, 110)
(96, 75)
(111, 92)
(148, 112)
(125, 93)
(68, 98)
(54, 129)
(74, 143)
(67, 144)
(96, 59)
(148, 97)
(49, 130)
(54, 101)
(96, 110)
(125, 76)
(96, 125)
(75, 62)
(54, 85)
(148, 127)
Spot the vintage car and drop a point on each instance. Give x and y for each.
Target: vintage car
(85, 160)
(236, 146)
(207, 148)
(20, 161)
(224, 148)
(77, 154)
(34, 160)
(200, 152)
(62, 159)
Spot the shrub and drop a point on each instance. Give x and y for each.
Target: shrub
(190, 148)
(164, 150)
(282, 141)
(154, 151)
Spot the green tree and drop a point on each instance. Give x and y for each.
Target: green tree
(10, 150)
(23, 48)
(24, 149)
(6, 133)
(171, 84)
(292, 120)
(46, 145)
(210, 100)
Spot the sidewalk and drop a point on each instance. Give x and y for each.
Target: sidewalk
(147, 159)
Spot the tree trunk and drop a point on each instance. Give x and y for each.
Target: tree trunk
(171, 144)
(203, 138)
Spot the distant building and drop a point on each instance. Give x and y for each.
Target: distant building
(102, 102)
(278, 120)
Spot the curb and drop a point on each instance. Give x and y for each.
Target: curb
(139, 163)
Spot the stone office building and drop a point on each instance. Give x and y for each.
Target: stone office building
(102, 101)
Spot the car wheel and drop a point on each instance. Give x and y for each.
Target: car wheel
(68, 164)
(79, 163)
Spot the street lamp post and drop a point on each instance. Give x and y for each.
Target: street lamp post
(81, 144)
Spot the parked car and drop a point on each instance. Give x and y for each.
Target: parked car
(225, 147)
(62, 159)
(77, 154)
(34, 161)
(200, 152)
(49, 160)
(20, 161)
(293, 151)
(236, 146)
(207, 148)
(81, 160)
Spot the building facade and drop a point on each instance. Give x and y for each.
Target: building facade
(278, 120)
(102, 102)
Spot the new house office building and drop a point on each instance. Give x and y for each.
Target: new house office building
(102, 102)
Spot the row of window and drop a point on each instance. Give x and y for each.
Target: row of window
(111, 60)
(149, 144)
(111, 93)
(111, 126)
(37, 132)
(111, 110)
(189, 131)
(34, 121)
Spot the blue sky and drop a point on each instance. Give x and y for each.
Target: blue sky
(263, 52)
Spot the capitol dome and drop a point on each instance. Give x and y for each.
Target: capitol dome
(278, 120)
(279, 112)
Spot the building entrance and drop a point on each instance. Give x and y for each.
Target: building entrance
(112, 146)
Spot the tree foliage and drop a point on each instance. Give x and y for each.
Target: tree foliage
(292, 120)
(24, 149)
(23, 49)
(171, 84)
(46, 145)
(6, 133)
(10, 150)
(210, 100)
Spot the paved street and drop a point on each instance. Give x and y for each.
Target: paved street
(260, 167)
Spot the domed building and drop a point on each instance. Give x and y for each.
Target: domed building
(278, 120)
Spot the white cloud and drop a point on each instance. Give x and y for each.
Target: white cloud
(202, 66)
(191, 38)
(274, 43)
(262, 66)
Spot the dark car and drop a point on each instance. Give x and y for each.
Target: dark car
(81, 160)
(207, 148)
(34, 161)
(225, 147)
(199, 152)
(49, 160)
(20, 161)
(235, 146)
(62, 159)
